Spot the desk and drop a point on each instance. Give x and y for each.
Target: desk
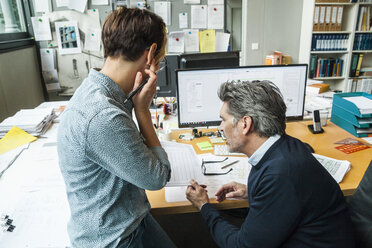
(323, 144)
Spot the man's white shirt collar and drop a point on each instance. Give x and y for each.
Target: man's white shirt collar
(260, 152)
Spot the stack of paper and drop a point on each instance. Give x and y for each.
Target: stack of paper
(33, 121)
(337, 168)
(363, 103)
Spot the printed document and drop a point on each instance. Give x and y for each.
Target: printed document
(337, 168)
(184, 163)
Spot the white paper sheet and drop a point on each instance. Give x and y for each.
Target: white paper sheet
(68, 37)
(42, 6)
(163, 9)
(79, 5)
(41, 27)
(199, 16)
(99, 2)
(222, 42)
(239, 174)
(213, 2)
(176, 42)
(51, 80)
(191, 40)
(368, 139)
(215, 16)
(47, 59)
(61, 3)
(92, 39)
(182, 20)
(191, 1)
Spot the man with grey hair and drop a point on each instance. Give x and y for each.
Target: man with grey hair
(294, 202)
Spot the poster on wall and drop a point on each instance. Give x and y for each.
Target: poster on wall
(68, 37)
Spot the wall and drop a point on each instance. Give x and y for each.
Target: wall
(274, 25)
(20, 85)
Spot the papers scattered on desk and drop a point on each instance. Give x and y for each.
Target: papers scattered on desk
(337, 168)
(184, 163)
(363, 103)
(33, 121)
(7, 159)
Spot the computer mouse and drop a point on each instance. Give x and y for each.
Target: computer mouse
(309, 147)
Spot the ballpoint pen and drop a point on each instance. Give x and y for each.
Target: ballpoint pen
(130, 96)
(227, 165)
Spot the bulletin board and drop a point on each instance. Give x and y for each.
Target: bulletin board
(72, 45)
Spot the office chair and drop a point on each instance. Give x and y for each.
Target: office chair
(360, 205)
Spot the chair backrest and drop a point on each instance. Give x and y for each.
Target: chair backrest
(360, 205)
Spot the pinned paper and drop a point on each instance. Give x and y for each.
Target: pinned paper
(207, 40)
(176, 42)
(191, 40)
(41, 27)
(42, 6)
(47, 59)
(68, 37)
(99, 2)
(14, 138)
(92, 39)
(80, 5)
(215, 16)
(191, 1)
(214, 2)
(163, 9)
(199, 16)
(182, 20)
(222, 42)
(51, 80)
(61, 3)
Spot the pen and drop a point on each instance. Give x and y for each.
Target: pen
(130, 96)
(227, 165)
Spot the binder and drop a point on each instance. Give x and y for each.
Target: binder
(316, 19)
(360, 59)
(322, 18)
(340, 10)
(327, 23)
(333, 19)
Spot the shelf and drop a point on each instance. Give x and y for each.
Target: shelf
(332, 32)
(329, 78)
(328, 52)
(363, 32)
(361, 77)
(362, 51)
(326, 3)
(365, 4)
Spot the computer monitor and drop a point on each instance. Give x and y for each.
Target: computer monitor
(198, 102)
(167, 86)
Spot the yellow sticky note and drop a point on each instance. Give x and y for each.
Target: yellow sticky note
(204, 145)
(14, 138)
(207, 40)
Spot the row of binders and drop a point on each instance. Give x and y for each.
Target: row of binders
(362, 42)
(356, 64)
(353, 112)
(33, 121)
(364, 19)
(325, 67)
(327, 18)
(329, 42)
(359, 85)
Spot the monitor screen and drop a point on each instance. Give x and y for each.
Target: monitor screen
(167, 85)
(198, 102)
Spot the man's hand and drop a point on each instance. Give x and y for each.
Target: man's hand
(142, 100)
(197, 194)
(232, 190)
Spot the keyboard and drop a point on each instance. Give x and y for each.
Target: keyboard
(223, 150)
